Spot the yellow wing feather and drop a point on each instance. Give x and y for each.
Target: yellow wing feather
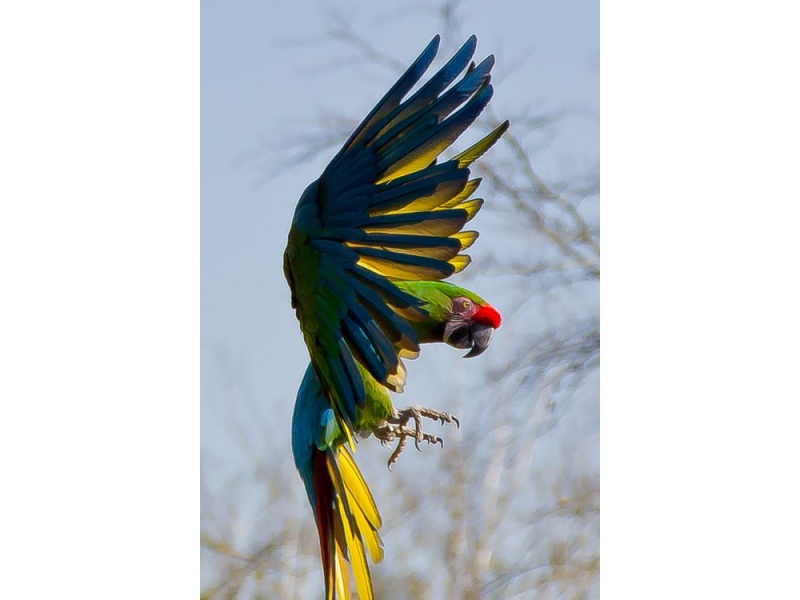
(439, 227)
(474, 152)
(467, 238)
(460, 262)
(468, 190)
(394, 270)
(444, 192)
(472, 207)
(441, 253)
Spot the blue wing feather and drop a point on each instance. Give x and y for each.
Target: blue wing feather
(395, 94)
(436, 84)
(351, 308)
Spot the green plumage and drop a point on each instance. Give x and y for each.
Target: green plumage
(369, 242)
(435, 299)
(383, 211)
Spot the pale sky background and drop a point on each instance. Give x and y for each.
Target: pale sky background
(262, 80)
(256, 88)
(99, 241)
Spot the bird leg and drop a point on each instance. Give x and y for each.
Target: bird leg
(395, 428)
(402, 417)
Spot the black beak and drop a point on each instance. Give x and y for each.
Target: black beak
(468, 334)
(481, 336)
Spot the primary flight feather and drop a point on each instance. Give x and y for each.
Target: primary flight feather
(369, 243)
(384, 211)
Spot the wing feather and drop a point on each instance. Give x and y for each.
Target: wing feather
(384, 210)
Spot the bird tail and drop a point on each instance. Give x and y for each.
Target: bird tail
(347, 522)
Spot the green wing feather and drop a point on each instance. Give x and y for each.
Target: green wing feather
(384, 211)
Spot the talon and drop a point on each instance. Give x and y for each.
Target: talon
(396, 454)
(395, 428)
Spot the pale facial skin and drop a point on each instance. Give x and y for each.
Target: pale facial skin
(470, 326)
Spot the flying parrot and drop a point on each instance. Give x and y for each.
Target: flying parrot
(344, 510)
(383, 216)
(383, 210)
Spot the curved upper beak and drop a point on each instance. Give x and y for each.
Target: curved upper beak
(480, 335)
(468, 334)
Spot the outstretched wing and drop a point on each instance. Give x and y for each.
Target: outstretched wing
(383, 210)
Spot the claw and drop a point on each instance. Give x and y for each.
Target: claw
(395, 429)
(396, 454)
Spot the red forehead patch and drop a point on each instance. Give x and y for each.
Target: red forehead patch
(488, 316)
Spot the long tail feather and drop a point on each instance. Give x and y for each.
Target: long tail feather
(347, 522)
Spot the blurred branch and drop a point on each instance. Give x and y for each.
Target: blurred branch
(510, 505)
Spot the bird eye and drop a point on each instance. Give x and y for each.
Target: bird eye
(465, 304)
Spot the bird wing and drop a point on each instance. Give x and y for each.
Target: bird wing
(384, 210)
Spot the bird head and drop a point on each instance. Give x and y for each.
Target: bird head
(470, 324)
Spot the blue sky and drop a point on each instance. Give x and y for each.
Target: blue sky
(266, 76)
(100, 151)
(260, 83)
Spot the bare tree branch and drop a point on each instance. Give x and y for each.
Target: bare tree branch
(510, 507)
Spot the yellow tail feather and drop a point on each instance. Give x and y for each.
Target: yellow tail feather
(354, 550)
(355, 527)
(342, 583)
(357, 489)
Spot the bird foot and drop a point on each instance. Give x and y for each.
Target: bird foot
(395, 429)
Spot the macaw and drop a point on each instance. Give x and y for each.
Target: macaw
(383, 211)
(344, 510)
(382, 218)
